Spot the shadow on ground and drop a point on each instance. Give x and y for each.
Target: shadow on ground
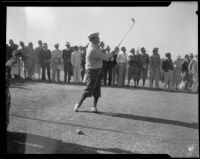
(151, 119)
(20, 83)
(22, 143)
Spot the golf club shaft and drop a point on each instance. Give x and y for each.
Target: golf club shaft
(125, 35)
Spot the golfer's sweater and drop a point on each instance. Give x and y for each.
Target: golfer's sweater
(94, 57)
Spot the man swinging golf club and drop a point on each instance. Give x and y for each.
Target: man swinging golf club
(94, 58)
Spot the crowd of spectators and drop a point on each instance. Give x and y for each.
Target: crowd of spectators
(38, 63)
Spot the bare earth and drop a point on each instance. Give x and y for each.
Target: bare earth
(130, 120)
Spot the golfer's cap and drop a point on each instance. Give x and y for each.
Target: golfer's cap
(154, 49)
(93, 34)
(67, 43)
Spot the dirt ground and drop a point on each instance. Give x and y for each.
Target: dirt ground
(130, 121)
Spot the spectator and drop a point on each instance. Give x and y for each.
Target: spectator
(45, 57)
(38, 66)
(11, 48)
(138, 66)
(30, 60)
(154, 68)
(83, 54)
(145, 64)
(24, 54)
(76, 65)
(191, 57)
(17, 68)
(193, 70)
(104, 67)
(130, 61)
(122, 62)
(185, 73)
(115, 66)
(177, 72)
(66, 56)
(56, 62)
(108, 71)
(167, 66)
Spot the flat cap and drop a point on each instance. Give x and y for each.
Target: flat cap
(93, 34)
(154, 49)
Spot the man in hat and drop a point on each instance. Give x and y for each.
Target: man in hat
(38, 66)
(122, 62)
(145, 63)
(167, 66)
(94, 58)
(56, 62)
(154, 68)
(66, 56)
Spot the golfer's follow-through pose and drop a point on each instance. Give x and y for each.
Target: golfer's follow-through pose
(94, 58)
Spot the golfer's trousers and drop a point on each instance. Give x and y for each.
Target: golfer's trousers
(93, 83)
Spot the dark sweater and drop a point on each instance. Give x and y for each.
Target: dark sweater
(66, 55)
(167, 65)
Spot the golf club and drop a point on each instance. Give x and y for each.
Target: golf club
(133, 20)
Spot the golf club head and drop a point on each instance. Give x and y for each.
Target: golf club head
(133, 20)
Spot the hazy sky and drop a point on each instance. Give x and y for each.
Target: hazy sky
(173, 29)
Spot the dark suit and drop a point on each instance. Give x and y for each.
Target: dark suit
(66, 55)
(45, 58)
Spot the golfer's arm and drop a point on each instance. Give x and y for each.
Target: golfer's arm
(99, 55)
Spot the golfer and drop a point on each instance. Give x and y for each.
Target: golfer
(93, 66)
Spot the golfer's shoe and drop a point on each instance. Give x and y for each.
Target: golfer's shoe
(76, 107)
(94, 110)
